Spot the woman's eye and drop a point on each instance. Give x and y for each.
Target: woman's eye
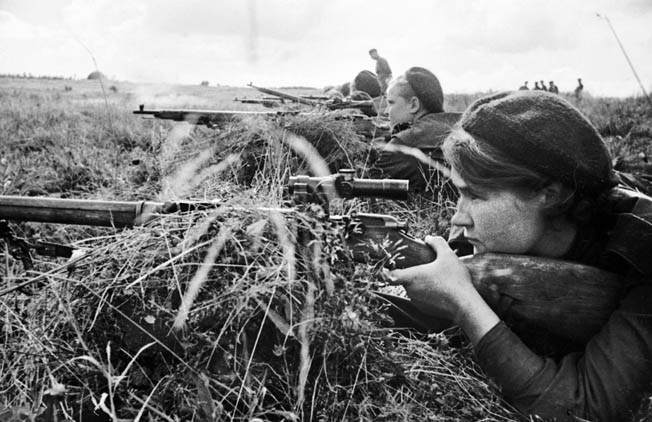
(469, 194)
(473, 195)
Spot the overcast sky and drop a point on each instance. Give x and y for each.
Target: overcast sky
(471, 45)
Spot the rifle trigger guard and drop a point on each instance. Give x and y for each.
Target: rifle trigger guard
(17, 247)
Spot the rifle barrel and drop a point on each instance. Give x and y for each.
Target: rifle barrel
(78, 211)
(202, 116)
(287, 96)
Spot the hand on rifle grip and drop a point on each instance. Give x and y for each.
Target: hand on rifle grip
(437, 288)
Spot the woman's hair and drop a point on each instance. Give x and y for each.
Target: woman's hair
(404, 89)
(485, 167)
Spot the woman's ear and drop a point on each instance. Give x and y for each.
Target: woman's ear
(551, 193)
(555, 196)
(414, 104)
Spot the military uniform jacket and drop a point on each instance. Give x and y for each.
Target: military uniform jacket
(607, 377)
(382, 68)
(427, 135)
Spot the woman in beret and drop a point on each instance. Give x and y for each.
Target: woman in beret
(535, 178)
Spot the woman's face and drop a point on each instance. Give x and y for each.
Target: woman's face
(499, 221)
(398, 107)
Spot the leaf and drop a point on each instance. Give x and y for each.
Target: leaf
(255, 233)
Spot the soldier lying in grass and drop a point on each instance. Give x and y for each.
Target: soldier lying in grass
(535, 178)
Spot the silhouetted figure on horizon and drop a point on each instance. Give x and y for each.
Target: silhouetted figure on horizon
(543, 86)
(553, 88)
(579, 89)
(524, 87)
(536, 86)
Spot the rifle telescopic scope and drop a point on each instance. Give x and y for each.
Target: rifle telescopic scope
(346, 186)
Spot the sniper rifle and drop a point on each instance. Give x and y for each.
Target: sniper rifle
(567, 299)
(215, 118)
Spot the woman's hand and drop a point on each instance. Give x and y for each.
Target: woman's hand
(444, 288)
(437, 288)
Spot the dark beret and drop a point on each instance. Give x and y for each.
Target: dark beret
(366, 81)
(345, 89)
(545, 133)
(427, 88)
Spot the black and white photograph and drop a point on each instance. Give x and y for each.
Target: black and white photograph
(320, 211)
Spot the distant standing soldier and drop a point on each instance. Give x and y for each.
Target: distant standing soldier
(524, 87)
(383, 71)
(553, 88)
(543, 86)
(579, 89)
(536, 86)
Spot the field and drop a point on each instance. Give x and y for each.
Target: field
(221, 313)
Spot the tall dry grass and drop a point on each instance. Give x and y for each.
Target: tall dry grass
(251, 310)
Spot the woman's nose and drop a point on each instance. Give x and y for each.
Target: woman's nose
(461, 216)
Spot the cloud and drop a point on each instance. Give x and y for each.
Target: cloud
(502, 28)
(638, 6)
(13, 28)
(277, 19)
(103, 20)
(470, 44)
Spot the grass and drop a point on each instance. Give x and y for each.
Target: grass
(229, 313)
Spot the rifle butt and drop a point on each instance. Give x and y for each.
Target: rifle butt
(569, 299)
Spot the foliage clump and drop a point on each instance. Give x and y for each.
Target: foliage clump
(96, 74)
(231, 313)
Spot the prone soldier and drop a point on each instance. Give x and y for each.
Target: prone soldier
(416, 112)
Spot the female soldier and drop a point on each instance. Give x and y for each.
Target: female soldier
(535, 178)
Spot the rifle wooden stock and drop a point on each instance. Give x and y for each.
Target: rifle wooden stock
(568, 299)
